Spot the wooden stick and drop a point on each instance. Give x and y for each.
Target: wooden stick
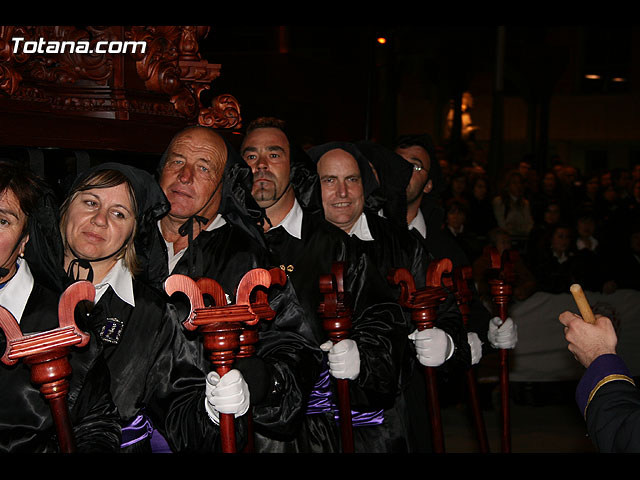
(220, 326)
(464, 294)
(423, 305)
(582, 303)
(336, 314)
(46, 353)
(501, 291)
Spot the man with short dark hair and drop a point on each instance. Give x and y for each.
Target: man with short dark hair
(304, 244)
(212, 230)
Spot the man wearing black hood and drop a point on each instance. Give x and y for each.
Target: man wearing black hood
(212, 231)
(353, 199)
(304, 244)
(425, 217)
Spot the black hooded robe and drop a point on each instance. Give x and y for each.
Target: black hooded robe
(283, 370)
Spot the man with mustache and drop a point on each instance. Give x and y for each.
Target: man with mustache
(305, 245)
(212, 231)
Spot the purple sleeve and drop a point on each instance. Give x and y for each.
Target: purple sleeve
(604, 369)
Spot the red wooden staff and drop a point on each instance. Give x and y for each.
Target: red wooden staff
(501, 287)
(336, 313)
(220, 326)
(46, 353)
(423, 304)
(459, 285)
(249, 337)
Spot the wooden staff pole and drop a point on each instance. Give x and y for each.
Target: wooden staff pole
(220, 327)
(249, 338)
(502, 291)
(336, 314)
(463, 295)
(46, 353)
(423, 305)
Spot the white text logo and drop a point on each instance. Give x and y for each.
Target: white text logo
(80, 46)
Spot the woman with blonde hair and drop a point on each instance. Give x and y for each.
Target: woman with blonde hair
(106, 225)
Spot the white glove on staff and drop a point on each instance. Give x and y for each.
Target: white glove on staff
(476, 347)
(344, 358)
(229, 394)
(505, 336)
(433, 346)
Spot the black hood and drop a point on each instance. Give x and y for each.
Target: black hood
(374, 199)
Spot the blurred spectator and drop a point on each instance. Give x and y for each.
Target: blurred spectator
(457, 188)
(541, 231)
(481, 218)
(589, 196)
(548, 191)
(524, 284)
(553, 266)
(512, 210)
(590, 269)
(456, 215)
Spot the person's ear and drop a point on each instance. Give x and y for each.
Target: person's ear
(428, 186)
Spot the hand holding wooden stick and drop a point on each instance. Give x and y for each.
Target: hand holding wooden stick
(582, 303)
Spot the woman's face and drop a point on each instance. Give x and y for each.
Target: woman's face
(592, 186)
(458, 184)
(560, 240)
(12, 223)
(549, 182)
(99, 221)
(480, 189)
(455, 218)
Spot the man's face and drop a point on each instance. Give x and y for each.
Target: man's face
(266, 151)
(342, 190)
(192, 173)
(419, 182)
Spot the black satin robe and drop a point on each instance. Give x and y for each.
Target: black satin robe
(154, 371)
(26, 424)
(287, 360)
(377, 323)
(439, 246)
(394, 247)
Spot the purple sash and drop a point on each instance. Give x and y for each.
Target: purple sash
(141, 428)
(320, 401)
(137, 430)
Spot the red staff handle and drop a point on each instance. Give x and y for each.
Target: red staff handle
(249, 337)
(423, 305)
(220, 326)
(502, 289)
(464, 294)
(46, 353)
(337, 322)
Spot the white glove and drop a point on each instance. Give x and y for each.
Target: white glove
(476, 347)
(433, 346)
(505, 336)
(344, 358)
(229, 394)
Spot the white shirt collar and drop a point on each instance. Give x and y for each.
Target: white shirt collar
(361, 229)
(419, 224)
(174, 257)
(14, 295)
(218, 222)
(582, 244)
(292, 223)
(119, 278)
